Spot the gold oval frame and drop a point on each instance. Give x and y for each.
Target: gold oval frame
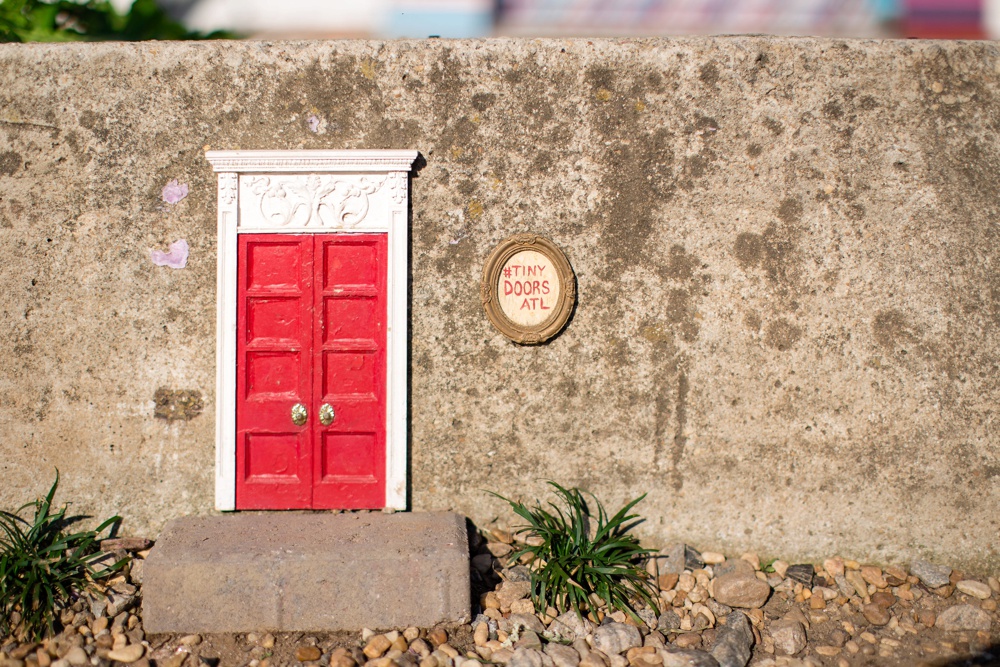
(545, 331)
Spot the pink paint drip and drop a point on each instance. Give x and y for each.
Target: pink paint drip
(175, 258)
(173, 191)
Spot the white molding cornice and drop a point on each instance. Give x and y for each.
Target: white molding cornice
(311, 161)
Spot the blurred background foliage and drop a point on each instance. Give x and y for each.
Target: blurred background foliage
(91, 20)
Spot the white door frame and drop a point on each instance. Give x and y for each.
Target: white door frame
(303, 192)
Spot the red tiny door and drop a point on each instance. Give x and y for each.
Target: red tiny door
(311, 333)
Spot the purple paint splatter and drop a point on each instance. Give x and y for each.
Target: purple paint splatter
(175, 258)
(173, 191)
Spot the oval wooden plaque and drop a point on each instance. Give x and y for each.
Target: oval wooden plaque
(528, 289)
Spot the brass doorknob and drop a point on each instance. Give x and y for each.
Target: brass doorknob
(326, 414)
(299, 414)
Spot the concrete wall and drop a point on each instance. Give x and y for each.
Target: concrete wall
(786, 249)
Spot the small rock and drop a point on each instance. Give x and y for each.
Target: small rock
(500, 656)
(873, 576)
(525, 606)
(894, 575)
(571, 625)
(437, 636)
(667, 581)
(989, 605)
(562, 656)
(712, 557)
(593, 659)
(734, 641)
(615, 638)
(964, 617)
(668, 620)
(843, 586)
(933, 576)
(126, 544)
(526, 657)
(789, 636)
(512, 591)
(926, 617)
(378, 645)
(528, 639)
(129, 654)
(834, 566)
(974, 588)
(190, 640)
(828, 651)
(739, 565)
(308, 653)
(994, 584)
(529, 621)
(688, 640)
(803, 574)
(76, 656)
(687, 658)
(858, 582)
(718, 608)
(944, 591)
(670, 560)
(875, 614)
(267, 641)
(883, 599)
(738, 590)
(780, 567)
(692, 559)
(481, 634)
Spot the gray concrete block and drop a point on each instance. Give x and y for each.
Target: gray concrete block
(308, 572)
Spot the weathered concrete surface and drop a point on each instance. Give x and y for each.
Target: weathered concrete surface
(308, 572)
(786, 251)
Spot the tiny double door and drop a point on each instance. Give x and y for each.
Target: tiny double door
(311, 371)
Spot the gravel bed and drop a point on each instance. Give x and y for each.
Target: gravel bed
(715, 611)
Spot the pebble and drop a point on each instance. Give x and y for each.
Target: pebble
(190, 640)
(738, 590)
(438, 636)
(858, 583)
(883, 599)
(789, 636)
(712, 557)
(873, 576)
(129, 654)
(529, 621)
(76, 656)
(876, 614)
(592, 659)
(512, 591)
(562, 656)
(688, 640)
(933, 576)
(571, 626)
(526, 657)
(267, 641)
(481, 634)
(974, 588)
(964, 617)
(994, 584)
(308, 653)
(376, 646)
(615, 638)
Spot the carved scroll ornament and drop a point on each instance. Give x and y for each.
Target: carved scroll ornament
(331, 201)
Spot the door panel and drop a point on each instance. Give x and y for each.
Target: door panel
(312, 330)
(350, 360)
(274, 355)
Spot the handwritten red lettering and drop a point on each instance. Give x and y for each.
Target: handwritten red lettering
(545, 287)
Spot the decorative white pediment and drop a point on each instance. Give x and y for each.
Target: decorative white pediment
(303, 191)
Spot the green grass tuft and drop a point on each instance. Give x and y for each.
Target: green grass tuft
(572, 560)
(42, 567)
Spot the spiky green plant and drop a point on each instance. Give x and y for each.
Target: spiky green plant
(572, 561)
(42, 567)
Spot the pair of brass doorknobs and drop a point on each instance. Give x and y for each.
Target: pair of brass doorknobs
(300, 415)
